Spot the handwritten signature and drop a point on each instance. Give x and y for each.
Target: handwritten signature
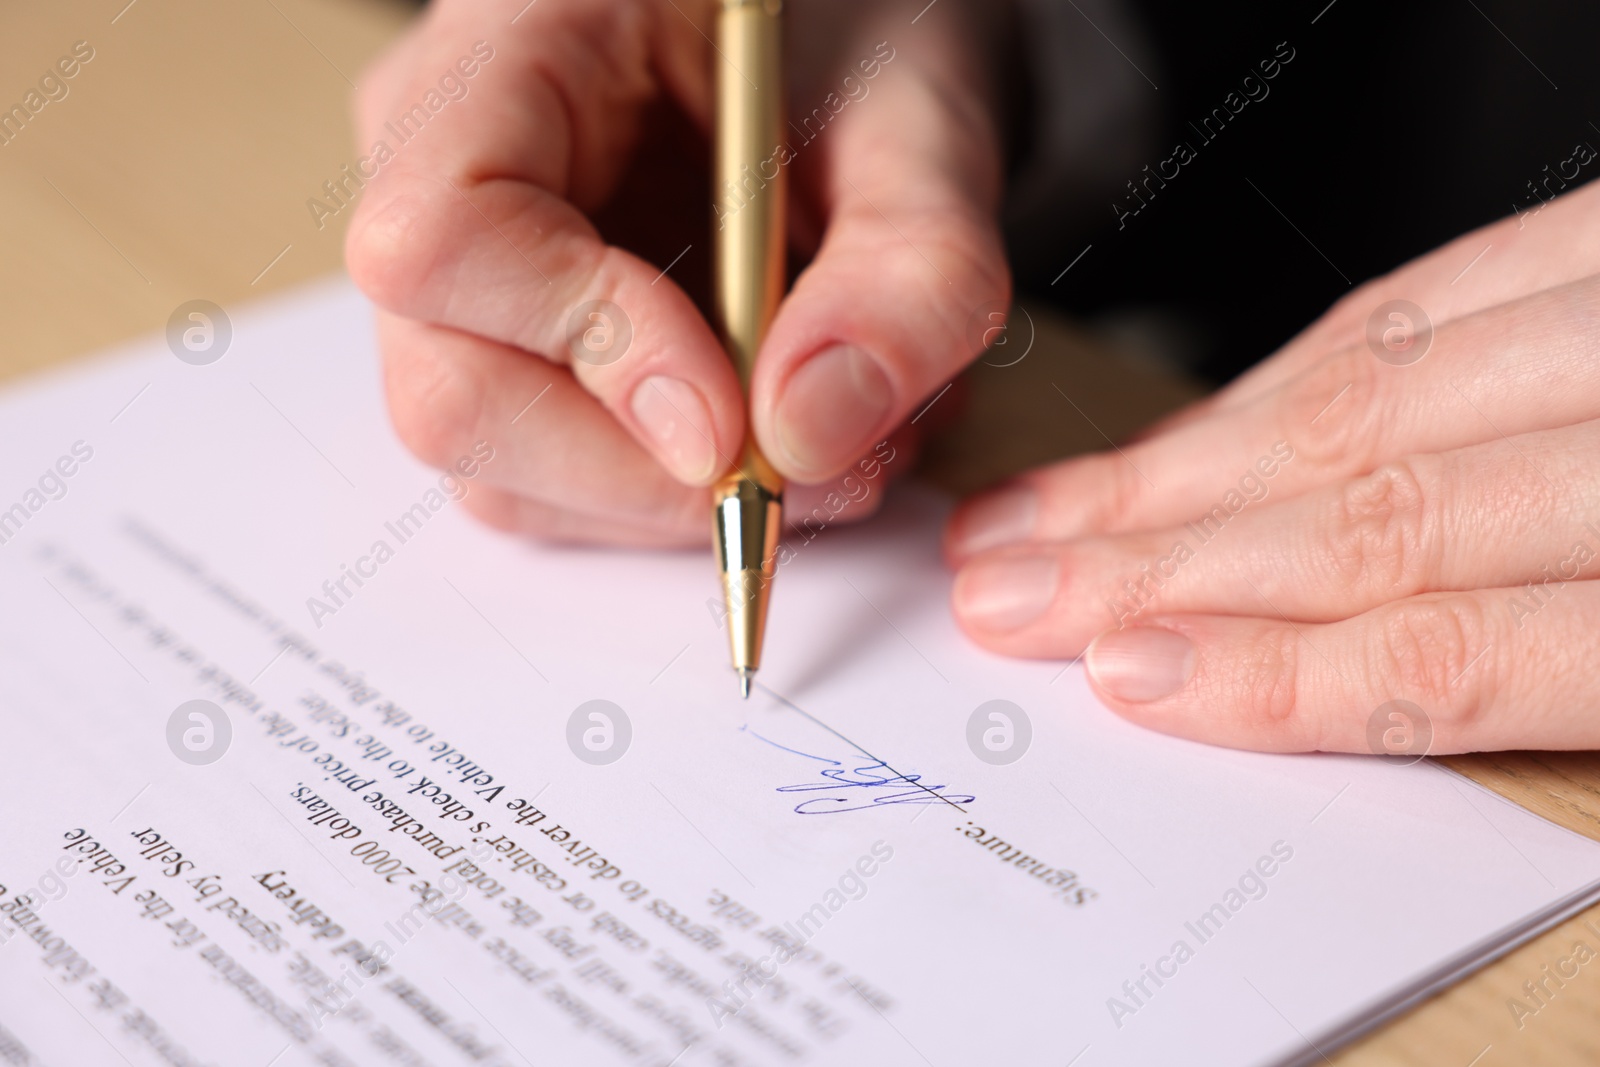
(842, 789)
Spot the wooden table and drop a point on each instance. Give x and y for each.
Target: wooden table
(178, 166)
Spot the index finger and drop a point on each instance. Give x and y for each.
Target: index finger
(471, 219)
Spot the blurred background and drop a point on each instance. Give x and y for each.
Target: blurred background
(178, 163)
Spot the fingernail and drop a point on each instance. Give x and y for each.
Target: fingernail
(830, 409)
(1140, 665)
(1000, 518)
(1006, 593)
(678, 424)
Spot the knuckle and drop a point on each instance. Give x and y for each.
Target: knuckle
(1351, 310)
(1330, 411)
(1380, 537)
(1117, 493)
(393, 250)
(1271, 675)
(1268, 677)
(1424, 646)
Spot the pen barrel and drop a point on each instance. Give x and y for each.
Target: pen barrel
(749, 178)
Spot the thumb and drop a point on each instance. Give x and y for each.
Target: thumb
(906, 169)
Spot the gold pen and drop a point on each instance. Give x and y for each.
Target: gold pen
(748, 283)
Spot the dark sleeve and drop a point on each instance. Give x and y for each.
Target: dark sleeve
(1088, 119)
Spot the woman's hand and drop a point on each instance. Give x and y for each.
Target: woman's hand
(1380, 512)
(569, 168)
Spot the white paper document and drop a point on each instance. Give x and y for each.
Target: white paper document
(301, 765)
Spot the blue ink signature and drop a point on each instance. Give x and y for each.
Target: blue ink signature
(874, 774)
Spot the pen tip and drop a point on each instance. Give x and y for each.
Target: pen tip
(744, 682)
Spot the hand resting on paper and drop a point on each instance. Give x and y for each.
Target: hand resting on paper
(1376, 513)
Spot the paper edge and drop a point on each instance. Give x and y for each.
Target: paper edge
(1454, 969)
